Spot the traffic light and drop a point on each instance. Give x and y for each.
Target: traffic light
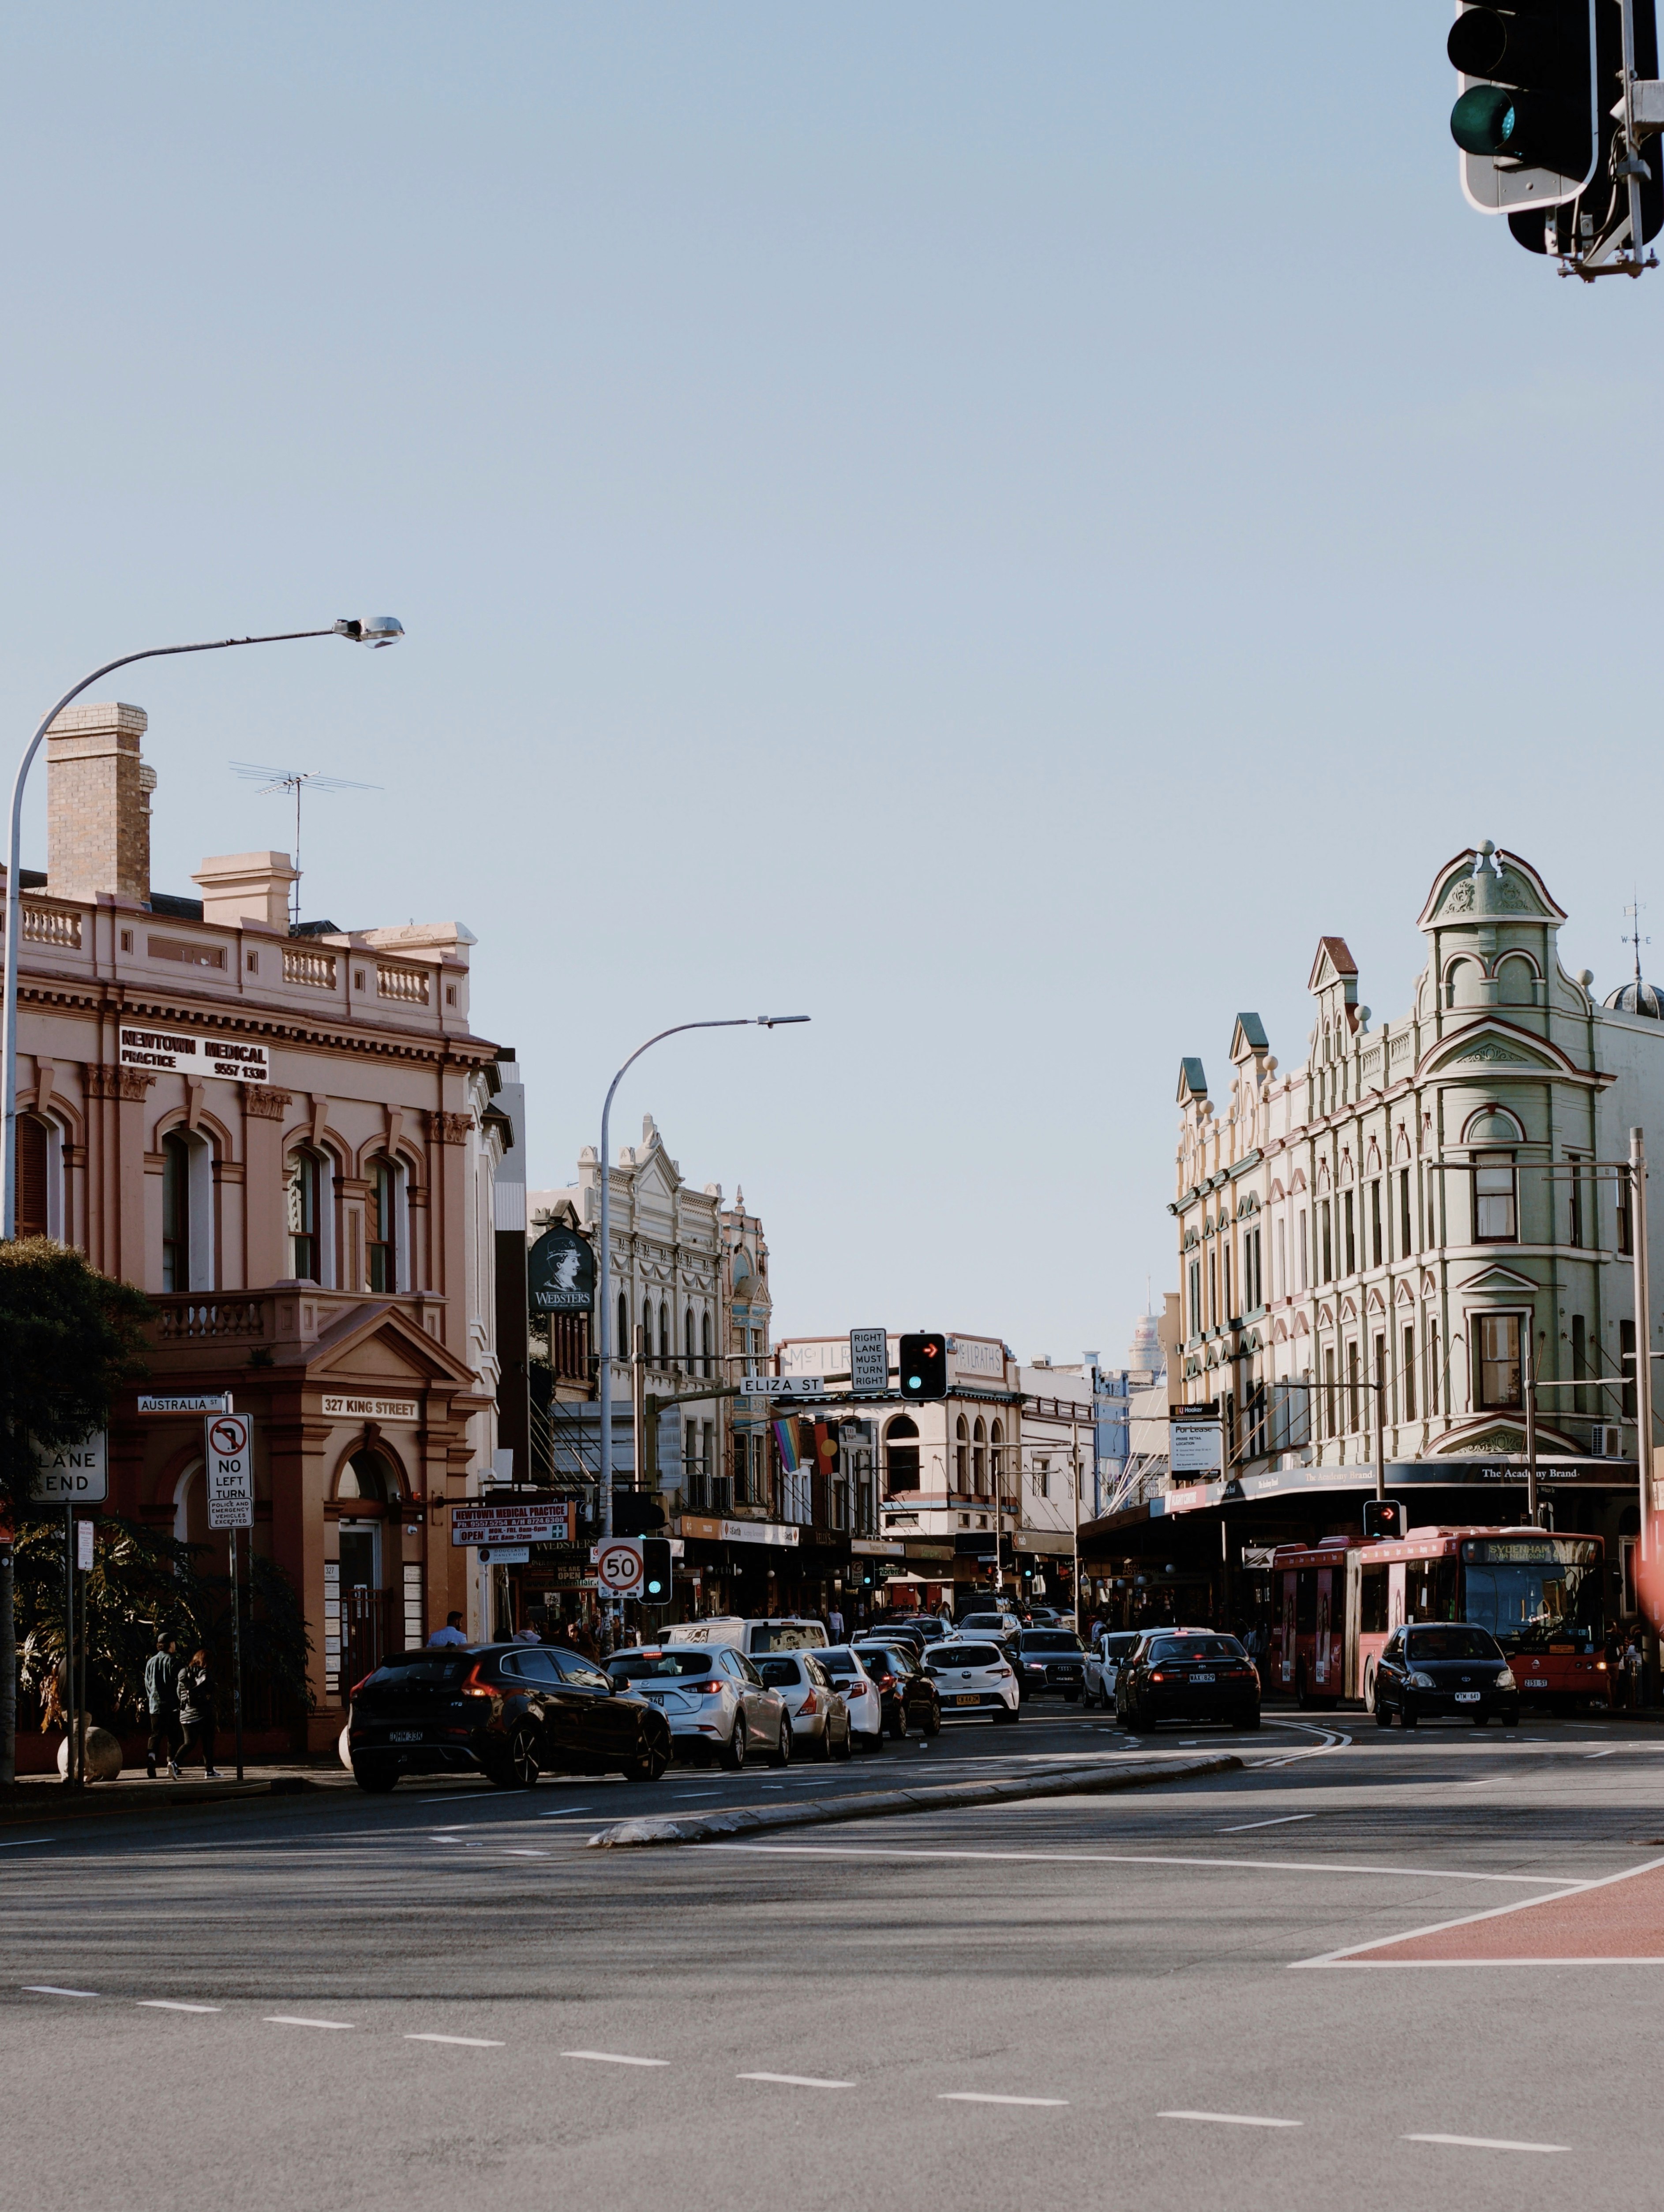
(655, 1570)
(635, 1512)
(1383, 1519)
(924, 1365)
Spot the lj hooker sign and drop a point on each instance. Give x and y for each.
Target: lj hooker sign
(182, 1052)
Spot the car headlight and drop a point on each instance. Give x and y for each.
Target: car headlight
(1505, 1679)
(1419, 1682)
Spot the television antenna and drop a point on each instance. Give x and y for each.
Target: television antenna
(295, 780)
(1632, 935)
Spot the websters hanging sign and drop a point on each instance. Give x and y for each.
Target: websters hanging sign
(179, 1052)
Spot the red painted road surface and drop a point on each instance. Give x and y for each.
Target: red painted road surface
(1620, 1919)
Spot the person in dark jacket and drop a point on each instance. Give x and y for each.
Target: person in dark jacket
(197, 1714)
(161, 1672)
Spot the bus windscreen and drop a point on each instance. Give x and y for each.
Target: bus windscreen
(1534, 1593)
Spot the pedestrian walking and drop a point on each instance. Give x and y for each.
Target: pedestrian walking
(835, 1625)
(1634, 1664)
(161, 1672)
(196, 1695)
(451, 1631)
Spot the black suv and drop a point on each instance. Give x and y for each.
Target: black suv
(905, 1691)
(1049, 1662)
(507, 1711)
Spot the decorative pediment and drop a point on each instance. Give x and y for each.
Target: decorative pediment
(1247, 1038)
(1401, 1145)
(1488, 1437)
(1374, 1301)
(1497, 1278)
(1349, 1308)
(1404, 1296)
(1489, 1042)
(1277, 1190)
(1279, 1332)
(1302, 1325)
(1333, 964)
(1430, 1284)
(1372, 1158)
(1474, 886)
(1325, 1316)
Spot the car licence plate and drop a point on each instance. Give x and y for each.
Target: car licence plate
(404, 1735)
(1467, 1697)
(972, 1700)
(1536, 1681)
(1201, 1678)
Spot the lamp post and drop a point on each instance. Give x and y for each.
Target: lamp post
(376, 630)
(604, 1268)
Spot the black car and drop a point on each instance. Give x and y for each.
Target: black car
(507, 1711)
(1435, 1669)
(1049, 1662)
(909, 1695)
(1194, 1675)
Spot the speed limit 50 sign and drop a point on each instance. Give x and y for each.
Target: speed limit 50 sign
(230, 1462)
(618, 1566)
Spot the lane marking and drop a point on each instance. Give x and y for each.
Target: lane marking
(51, 1989)
(1351, 1953)
(299, 2020)
(172, 2004)
(565, 1814)
(1281, 1820)
(1484, 2143)
(1558, 1882)
(1607, 1753)
(982, 2097)
(795, 2081)
(1232, 2119)
(19, 1843)
(614, 2058)
(471, 2042)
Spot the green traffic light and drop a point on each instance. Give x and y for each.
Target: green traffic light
(1485, 118)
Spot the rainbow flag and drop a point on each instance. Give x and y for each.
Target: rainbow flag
(786, 1436)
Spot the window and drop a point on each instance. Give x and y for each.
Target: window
(1434, 1372)
(663, 1333)
(1404, 1237)
(997, 1437)
(705, 1340)
(687, 1338)
(1577, 1190)
(1626, 1365)
(1625, 1216)
(1351, 1235)
(1043, 1477)
(901, 1452)
(1407, 1383)
(1226, 1310)
(1305, 1264)
(1494, 1216)
(1214, 1289)
(40, 1192)
(980, 1460)
(1375, 1222)
(1380, 1380)
(1195, 1297)
(1352, 1405)
(1331, 1404)
(176, 1211)
(960, 1455)
(623, 1347)
(1282, 1259)
(381, 1237)
(1580, 1361)
(1372, 1601)
(1329, 1244)
(1499, 1360)
(303, 1196)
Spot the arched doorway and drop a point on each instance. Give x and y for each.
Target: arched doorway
(377, 1599)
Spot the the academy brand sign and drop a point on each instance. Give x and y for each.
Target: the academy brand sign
(181, 1052)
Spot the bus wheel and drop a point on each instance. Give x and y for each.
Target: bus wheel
(1300, 1697)
(1370, 1692)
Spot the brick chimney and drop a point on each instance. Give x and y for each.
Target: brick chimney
(98, 803)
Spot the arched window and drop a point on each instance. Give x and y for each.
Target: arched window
(308, 1190)
(187, 1212)
(385, 1262)
(687, 1344)
(961, 1456)
(40, 1208)
(367, 1476)
(901, 1452)
(998, 1438)
(978, 1459)
(705, 1334)
(663, 1333)
(623, 1348)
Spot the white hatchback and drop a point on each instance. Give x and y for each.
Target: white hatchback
(973, 1676)
(859, 1691)
(718, 1705)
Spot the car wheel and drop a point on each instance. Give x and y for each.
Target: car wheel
(1252, 1720)
(870, 1741)
(1481, 1720)
(517, 1768)
(732, 1753)
(898, 1725)
(1407, 1715)
(375, 1775)
(1382, 1713)
(652, 1763)
(846, 1748)
(1071, 1696)
(781, 1753)
(1005, 1716)
(933, 1721)
(1369, 1691)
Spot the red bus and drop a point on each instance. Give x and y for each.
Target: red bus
(1542, 1597)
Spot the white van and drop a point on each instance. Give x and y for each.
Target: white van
(753, 1637)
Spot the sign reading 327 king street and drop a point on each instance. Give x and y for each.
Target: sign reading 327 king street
(186, 1052)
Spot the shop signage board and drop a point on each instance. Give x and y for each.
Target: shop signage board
(182, 1051)
(782, 1386)
(184, 1401)
(229, 1460)
(536, 1521)
(504, 1555)
(705, 1528)
(74, 1474)
(869, 1362)
(340, 1406)
(560, 1271)
(1195, 1447)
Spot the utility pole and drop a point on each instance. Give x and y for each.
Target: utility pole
(1643, 1336)
(1531, 1418)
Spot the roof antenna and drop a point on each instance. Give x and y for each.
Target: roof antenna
(1632, 935)
(295, 780)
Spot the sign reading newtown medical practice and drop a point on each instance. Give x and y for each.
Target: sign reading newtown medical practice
(182, 1052)
(539, 1521)
(339, 1407)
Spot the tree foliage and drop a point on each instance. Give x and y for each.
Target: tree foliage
(69, 1338)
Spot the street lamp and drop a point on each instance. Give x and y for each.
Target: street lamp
(604, 1271)
(373, 630)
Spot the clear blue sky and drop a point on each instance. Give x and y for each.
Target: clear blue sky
(995, 527)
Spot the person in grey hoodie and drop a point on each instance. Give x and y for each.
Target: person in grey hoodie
(161, 1672)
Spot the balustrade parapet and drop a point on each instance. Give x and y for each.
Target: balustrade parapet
(221, 1327)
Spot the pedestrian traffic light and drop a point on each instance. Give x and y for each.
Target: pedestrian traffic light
(924, 1366)
(655, 1570)
(1384, 1518)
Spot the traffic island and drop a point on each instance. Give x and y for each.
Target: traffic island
(936, 1797)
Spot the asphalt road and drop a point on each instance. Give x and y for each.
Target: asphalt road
(443, 1998)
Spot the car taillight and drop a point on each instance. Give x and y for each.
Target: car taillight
(1157, 1676)
(473, 1687)
(704, 1689)
(1600, 1666)
(358, 1685)
(886, 1682)
(809, 1707)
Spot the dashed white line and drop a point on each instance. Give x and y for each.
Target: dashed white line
(983, 2097)
(1281, 1820)
(469, 2042)
(1232, 2119)
(1485, 2143)
(172, 2004)
(17, 1843)
(51, 1989)
(1607, 1753)
(299, 2019)
(614, 2058)
(565, 1813)
(795, 2081)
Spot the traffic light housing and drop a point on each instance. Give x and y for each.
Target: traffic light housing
(1384, 1519)
(635, 1512)
(924, 1366)
(655, 1570)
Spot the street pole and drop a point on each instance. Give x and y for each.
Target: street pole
(236, 1655)
(69, 1774)
(1643, 1337)
(1531, 1419)
(379, 630)
(1381, 1428)
(638, 1392)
